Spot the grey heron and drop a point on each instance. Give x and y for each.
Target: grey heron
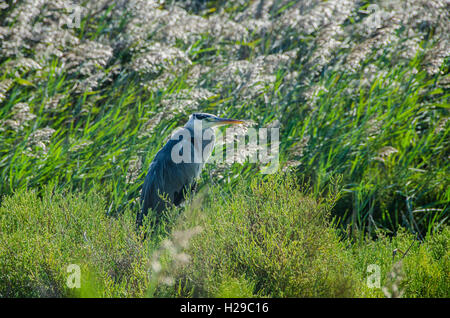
(173, 171)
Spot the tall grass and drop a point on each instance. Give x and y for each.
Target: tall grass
(97, 107)
(359, 90)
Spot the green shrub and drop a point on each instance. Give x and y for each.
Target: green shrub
(233, 287)
(421, 268)
(274, 239)
(427, 269)
(268, 238)
(273, 236)
(40, 237)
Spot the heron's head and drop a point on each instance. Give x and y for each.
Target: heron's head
(210, 120)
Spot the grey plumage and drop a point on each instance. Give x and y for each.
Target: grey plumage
(167, 181)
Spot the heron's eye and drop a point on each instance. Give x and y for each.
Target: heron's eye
(200, 116)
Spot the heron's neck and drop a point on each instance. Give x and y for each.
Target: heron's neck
(206, 135)
(203, 143)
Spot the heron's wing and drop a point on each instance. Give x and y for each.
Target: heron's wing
(179, 179)
(180, 195)
(149, 194)
(168, 179)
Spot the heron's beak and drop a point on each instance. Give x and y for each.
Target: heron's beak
(226, 121)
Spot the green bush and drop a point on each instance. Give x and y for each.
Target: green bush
(41, 236)
(415, 268)
(274, 237)
(268, 238)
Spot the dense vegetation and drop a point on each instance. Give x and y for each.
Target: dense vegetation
(90, 90)
(269, 238)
